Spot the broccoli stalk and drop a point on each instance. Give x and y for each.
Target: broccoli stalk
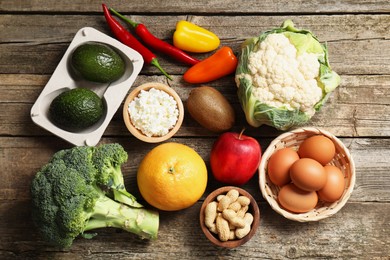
(69, 197)
(109, 213)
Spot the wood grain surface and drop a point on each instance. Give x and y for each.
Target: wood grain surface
(35, 34)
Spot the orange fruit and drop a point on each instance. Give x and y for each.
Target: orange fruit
(172, 176)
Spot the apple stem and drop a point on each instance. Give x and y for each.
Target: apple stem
(242, 131)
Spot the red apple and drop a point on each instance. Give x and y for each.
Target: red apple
(235, 158)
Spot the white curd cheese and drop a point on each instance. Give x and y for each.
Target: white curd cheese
(153, 112)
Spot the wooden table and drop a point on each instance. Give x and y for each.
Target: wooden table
(34, 37)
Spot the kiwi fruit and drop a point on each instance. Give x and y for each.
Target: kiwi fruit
(210, 109)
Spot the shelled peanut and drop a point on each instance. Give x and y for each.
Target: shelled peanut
(228, 216)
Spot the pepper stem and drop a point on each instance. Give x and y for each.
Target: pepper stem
(155, 63)
(132, 23)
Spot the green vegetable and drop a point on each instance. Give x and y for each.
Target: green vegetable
(108, 160)
(283, 112)
(82, 189)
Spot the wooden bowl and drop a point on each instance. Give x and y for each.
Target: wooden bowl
(293, 139)
(137, 133)
(253, 209)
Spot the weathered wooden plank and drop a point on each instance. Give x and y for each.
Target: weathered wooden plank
(359, 107)
(357, 44)
(35, 29)
(201, 6)
(43, 59)
(349, 234)
(348, 120)
(370, 156)
(356, 89)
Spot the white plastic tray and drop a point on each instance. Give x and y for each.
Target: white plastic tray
(64, 79)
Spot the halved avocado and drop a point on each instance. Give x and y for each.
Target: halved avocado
(97, 62)
(76, 109)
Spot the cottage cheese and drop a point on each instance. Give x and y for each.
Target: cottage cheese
(153, 112)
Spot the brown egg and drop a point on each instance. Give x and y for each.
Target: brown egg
(334, 187)
(279, 165)
(319, 148)
(308, 174)
(296, 200)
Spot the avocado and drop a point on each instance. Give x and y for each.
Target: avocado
(210, 109)
(76, 109)
(97, 62)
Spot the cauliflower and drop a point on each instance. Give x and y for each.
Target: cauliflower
(281, 78)
(284, 77)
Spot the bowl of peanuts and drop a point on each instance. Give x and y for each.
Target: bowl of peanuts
(229, 217)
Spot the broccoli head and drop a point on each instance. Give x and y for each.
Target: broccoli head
(108, 160)
(69, 197)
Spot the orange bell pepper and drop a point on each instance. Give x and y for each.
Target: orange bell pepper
(223, 62)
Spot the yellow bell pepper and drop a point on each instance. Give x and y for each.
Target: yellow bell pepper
(193, 38)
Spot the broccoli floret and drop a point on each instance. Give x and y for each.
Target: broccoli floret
(80, 159)
(108, 160)
(67, 200)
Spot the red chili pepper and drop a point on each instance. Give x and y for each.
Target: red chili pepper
(128, 39)
(221, 63)
(156, 43)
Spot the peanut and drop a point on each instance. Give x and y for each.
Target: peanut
(219, 197)
(213, 229)
(242, 211)
(233, 194)
(248, 218)
(242, 232)
(210, 214)
(223, 203)
(231, 216)
(236, 206)
(222, 228)
(229, 198)
(243, 200)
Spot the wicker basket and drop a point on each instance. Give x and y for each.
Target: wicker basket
(293, 139)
